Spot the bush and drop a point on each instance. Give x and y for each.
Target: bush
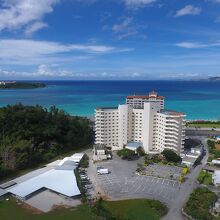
(140, 151)
(205, 178)
(199, 204)
(126, 154)
(84, 163)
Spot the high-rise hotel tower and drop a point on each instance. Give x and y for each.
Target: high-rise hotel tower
(142, 121)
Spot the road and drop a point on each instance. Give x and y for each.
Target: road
(175, 212)
(202, 132)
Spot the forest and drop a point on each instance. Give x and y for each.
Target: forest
(30, 135)
(22, 85)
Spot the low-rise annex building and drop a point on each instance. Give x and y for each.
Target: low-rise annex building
(144, 120)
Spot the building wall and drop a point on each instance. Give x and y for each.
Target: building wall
(115, 127)
(169, 132)
(106, 127)
(150, 111)
(139, 102)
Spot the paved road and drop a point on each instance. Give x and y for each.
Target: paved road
(185, 191)
(202, 132)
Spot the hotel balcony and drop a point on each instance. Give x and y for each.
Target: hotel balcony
(169, 137)
(173, 129)
(171, 145)
(172, 126)
(170, 141)
(175, 133)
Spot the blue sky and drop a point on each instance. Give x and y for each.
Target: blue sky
(109, 39)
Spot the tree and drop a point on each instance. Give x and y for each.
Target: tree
(140, 151)
(171, 156)
(30, 135)
(126, 153)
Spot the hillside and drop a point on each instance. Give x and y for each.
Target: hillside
(216, 78)
(32, 135)
(22, 85)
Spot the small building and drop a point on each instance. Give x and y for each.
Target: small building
(133, 146)
(196, 150)
(188, 161)
(3, 193)
(100, 152)
(216, 208)
(216, 162)
(210, 169)
(77, 157)
(216, 178)
(190, 157)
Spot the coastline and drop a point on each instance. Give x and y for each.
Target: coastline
(199, 100)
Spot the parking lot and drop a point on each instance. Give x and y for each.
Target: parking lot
(164, 171)
(123, 183)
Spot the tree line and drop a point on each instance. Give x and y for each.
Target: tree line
(30, 135)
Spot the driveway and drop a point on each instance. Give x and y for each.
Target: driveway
(186, 189)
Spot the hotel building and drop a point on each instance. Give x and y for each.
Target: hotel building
(142, 121)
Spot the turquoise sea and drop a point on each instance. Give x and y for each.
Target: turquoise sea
(198, 99)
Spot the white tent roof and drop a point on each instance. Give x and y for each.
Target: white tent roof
(77, 157)
(54, 163)
(60, 181)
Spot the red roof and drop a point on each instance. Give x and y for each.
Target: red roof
(143, 97)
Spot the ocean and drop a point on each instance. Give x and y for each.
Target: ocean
(198, 99)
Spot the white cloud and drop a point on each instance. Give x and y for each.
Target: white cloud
(44, 71)
(127, 28)
(138, 3)
(31, 51)
(124, 25)
(215, 1)
(18, 14)
(188, 10)
(179, 75)
(195, 45)
(35, 27)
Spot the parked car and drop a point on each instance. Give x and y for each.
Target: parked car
(103, 171)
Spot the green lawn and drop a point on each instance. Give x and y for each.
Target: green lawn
(205, 178)
(139, 209)
(9, 210)
(205, 125)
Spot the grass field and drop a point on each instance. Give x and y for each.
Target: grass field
(9, 210)
(139, 209)
(205, 125)
(205, 178)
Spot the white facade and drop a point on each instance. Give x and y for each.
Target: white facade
(147, 123)
(216, 178)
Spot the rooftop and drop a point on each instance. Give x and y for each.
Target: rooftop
(144, 97)
(171, 112)
(134, 144)
(57, 176)
(3, 192)
(106, 108)
(60, 181)
(152, 94)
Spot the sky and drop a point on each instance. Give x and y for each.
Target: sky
(109, 39)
